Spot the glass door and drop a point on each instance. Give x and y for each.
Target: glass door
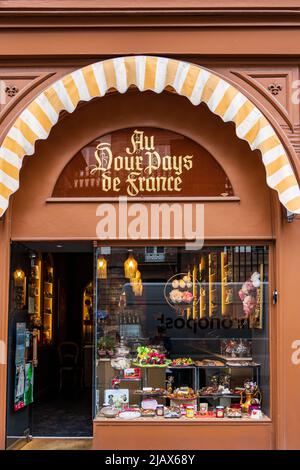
(23, 336)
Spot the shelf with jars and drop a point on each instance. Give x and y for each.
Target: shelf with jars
(87, 314)
(226, 283)
(34, 292)
(48, 300)
(212, 279)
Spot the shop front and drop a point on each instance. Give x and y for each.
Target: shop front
(149, 234)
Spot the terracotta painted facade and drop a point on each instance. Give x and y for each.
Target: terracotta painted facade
(252, 47)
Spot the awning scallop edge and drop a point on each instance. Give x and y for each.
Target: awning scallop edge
(147, 73)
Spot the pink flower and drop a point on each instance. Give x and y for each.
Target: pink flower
(249, 304)
(247, 287)
(187, 297)
(242, 295)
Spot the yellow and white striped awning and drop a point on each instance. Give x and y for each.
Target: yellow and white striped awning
(147, 73)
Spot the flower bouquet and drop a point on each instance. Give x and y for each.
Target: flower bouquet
(150, 357)
(248, 294)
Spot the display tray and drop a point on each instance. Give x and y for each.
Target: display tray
(231, 359)
(182, 399)
(150, 366)
(182, 419)
(154, 393)
(190, 366)
(219, 395)
(232, 366)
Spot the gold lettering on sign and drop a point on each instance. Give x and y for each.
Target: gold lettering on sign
(146, 170)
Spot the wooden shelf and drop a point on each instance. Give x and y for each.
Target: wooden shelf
(48, 288)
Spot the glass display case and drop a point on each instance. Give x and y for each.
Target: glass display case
(183, 335)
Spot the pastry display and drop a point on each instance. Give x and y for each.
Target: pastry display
(236, 348)
(183, 393)
(130, 413)
(182, 362)
(172, 412)
(241, 363)
(182, 291)
(152, 392)
(145, 413)
(233, 412)
(209, 363)
(109, 411)
(149, 404)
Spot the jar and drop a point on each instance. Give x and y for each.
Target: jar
(190, 411)
(121, 360)
(203, 407)
(219, 411)
(160, 410)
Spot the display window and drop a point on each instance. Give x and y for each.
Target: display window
(181, 334)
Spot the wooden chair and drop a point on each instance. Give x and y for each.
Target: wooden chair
(68, 352)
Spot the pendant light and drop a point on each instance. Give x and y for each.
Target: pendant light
(130, 266)
(136, 284)
(19, 277)
(136, 277)
(137, 287)
(101, 268)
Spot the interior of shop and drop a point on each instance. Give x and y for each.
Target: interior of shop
(97, 331)
(57, 277)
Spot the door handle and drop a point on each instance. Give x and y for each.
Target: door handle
(35, 348)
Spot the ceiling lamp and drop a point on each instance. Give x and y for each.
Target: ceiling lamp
(137, 286)
(136, 277)
(130, 266)
(101, 268)
(19, 277)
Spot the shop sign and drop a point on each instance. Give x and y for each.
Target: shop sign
(143, 166)
(143, 163)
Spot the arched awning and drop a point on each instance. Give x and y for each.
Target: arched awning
(147, 73)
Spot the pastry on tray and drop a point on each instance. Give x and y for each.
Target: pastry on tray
(148, 413)
(173, 412)
(149, 391)
(182, 362)
(209, 363)
(183, 393)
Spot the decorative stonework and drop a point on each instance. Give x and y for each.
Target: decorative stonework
(11, 90)
(15, 86)
(293, 136)
(274, 88)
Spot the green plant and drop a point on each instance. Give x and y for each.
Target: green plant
(107, 343)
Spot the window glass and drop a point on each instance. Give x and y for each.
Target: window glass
(193, 325)
(142, 162)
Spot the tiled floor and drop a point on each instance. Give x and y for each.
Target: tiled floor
(58, 444)
(63, 415)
